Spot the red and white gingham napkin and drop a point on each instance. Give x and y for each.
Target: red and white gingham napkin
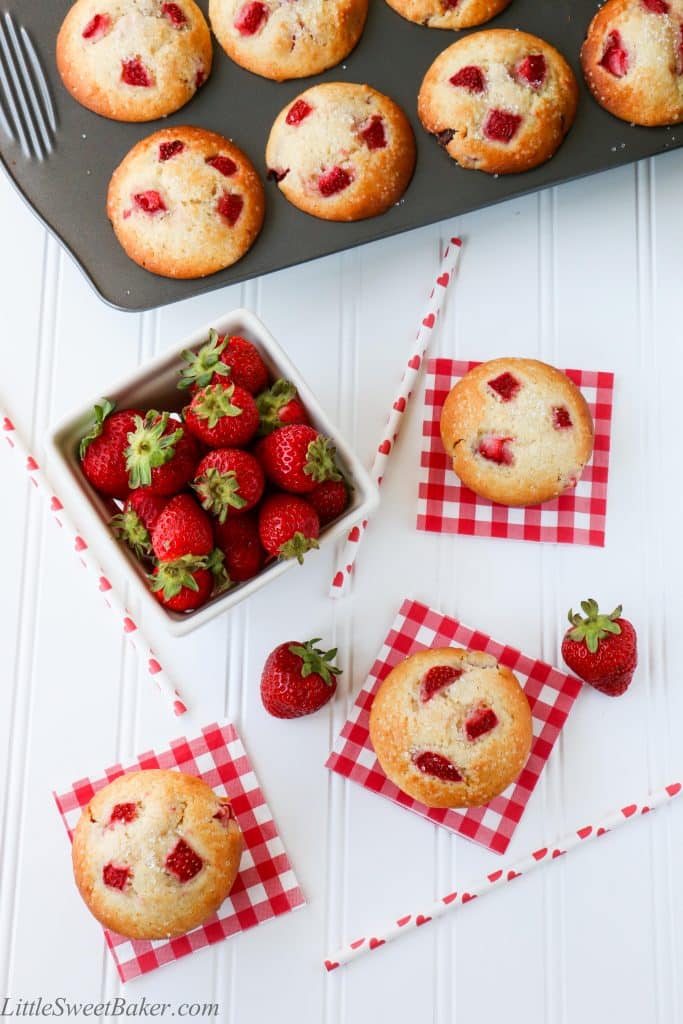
(444, 506)
(551, 694)
(265, 886)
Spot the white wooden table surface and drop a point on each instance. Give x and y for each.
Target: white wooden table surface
(586, 275)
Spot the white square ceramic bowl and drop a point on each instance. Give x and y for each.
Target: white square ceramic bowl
(154, 386)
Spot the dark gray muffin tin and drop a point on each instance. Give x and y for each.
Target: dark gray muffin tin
(67, 188)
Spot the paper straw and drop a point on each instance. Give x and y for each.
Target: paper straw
(455, 900)
(78, 544)
(418, 352)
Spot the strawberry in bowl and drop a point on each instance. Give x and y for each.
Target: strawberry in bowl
(222, 433)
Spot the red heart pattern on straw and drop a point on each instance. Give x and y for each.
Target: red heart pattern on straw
(449, 903)
(399, 406)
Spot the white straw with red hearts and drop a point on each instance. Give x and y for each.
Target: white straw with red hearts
(455, 900)
(130, 628)
(425, 332)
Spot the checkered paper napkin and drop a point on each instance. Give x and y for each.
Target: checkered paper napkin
(550, 692)
(265, 886)
(444, 506)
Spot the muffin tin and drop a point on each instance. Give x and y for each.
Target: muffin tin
(67, 189)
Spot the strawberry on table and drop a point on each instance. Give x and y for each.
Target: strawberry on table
(288, 526)
(103, 449)
(298, 679)
(279, 406)
(329, 499)
(222, 416)
(182, 529)
(228, 482)
(221, 358)
(238, 539)
(296, 458)
(161, 455)
(601, 649)
(138, 518)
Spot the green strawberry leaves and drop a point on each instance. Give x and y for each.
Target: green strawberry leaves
(101, 413)
(202, 365)
(315, 661)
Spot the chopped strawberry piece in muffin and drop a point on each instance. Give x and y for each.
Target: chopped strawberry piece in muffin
(251, 17)
(437, 679)
(615, 57)
(167, 150)
(533, 70)
(115, 878)
(505, 386)
(223, 164)
(496, 449)
(225, 813)
(97, 27)
(123, 812)
(501, 125)
(174, 15)
(657, 6)
(469, 77)
(229, 206)
(183, 862)
(298, 112)
(480, 722)
(134, 72)
(334, 181)
(150, 201)
(373, 133)
(430, 763)
(561, 418)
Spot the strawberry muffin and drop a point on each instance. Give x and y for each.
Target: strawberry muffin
(519, 431)
(454, 14)
(633, 60)
(341, 152)
(185, 202)
(155, 853)
(134, 60)
(451, 727)
(279, 39)
(499, 101)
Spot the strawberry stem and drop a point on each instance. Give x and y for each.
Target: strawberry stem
(149, 447)
(218, 492)
(269, 403)
(297, 546)
(214, 403)
(316, 661)
(320, 460)
(128, 527)
(202, 365)
(595, 626)
(101, 413)
(172, 577)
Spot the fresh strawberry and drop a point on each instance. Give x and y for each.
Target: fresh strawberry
(223, 357)
(238, 539)
(601, 649)
(329, 499)
(298, 679)
(297, 457)
(188, 582)
(222, 416)
(161, 455)
(135, 523)
(103, 449)
(288, 526)
(228, 482)
(183, 528)
(279, 406)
